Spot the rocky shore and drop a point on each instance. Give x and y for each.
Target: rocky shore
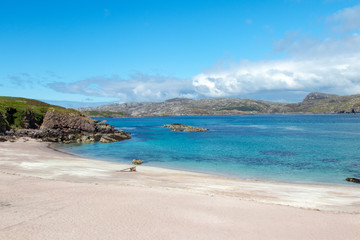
(67, 127)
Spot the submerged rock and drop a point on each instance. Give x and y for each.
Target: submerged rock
(355, 180)
(330, 160)
(177, 127)
(278, 153)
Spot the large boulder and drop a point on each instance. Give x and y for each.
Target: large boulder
(70, 122)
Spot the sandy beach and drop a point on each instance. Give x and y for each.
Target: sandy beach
(47, 194)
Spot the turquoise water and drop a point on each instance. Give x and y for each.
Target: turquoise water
(288, 148)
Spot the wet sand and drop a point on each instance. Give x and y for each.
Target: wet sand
(47, 194)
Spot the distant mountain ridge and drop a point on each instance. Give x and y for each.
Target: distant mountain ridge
(317, 103)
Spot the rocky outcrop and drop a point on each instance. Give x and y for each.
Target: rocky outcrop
(22, 117)
(71, 127)
(56, 135)
(177, 127)
(114, 137)
(69, 122)
(311, 97)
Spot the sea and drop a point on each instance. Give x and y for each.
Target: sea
(312, 149)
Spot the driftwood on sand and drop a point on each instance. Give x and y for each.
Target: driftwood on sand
(130, 169)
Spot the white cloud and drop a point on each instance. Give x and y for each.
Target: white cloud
(347, 19)
(329, 65)
(139, 87)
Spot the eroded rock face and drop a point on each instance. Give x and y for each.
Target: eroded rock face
(177, 127)
(70, 122)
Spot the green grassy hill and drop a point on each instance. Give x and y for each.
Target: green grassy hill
(25, 113)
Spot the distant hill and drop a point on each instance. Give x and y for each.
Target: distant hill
(317, 103)
(74, 104)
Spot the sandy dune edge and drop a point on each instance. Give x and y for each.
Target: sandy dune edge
(46, 194)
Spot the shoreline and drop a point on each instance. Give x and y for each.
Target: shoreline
(48, 194)
(214, 174)
(65, 166)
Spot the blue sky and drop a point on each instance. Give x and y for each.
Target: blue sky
(102, 51)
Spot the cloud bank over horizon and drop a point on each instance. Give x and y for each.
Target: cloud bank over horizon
(138, 87)
(328, 64)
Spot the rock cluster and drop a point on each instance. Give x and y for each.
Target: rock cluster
(177, 127)
(71, 128)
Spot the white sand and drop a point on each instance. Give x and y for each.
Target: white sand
(45, 194)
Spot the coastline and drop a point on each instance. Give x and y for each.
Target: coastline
(33, 163)
(209, 173)
(40, 159)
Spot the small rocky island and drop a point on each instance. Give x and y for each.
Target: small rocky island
(177, 127)
(21, 117)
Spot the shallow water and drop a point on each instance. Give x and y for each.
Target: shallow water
(288, 148)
